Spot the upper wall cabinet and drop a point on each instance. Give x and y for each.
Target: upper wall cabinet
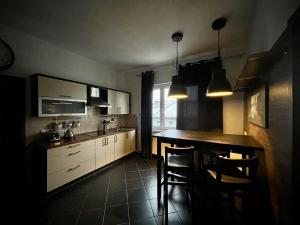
(56, 97)
(119, 102)
(55, 88)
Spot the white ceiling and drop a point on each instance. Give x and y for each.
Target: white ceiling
(128, 34)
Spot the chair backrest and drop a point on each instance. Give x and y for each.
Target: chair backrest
(186, 153)
(179, 150)
(248, 165)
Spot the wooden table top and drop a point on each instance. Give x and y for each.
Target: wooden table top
(210, 137)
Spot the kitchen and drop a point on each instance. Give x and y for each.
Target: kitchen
(109, 48)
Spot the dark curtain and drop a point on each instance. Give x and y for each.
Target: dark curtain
(199, 112)
(146, 113)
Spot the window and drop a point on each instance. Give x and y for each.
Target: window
(164, 109)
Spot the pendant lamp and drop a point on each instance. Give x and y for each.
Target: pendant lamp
(219, 86)
(177, 89)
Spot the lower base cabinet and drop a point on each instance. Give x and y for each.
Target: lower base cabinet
(69, 162)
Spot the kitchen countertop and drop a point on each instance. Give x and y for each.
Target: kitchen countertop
(81, 137)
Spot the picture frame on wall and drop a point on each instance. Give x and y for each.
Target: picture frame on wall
(257, 107)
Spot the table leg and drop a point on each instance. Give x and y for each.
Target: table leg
(158, 168)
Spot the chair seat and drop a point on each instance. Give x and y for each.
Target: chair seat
(230, 179)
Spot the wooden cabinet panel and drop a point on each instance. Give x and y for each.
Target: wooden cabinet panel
(56, 88)
(73, 172)
(69, 158)
(130, 142)
(110, 149)
(119, 102)
(120, 149)
(100, 152)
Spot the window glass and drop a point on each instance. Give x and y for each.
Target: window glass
(156, 108)
(164, 109)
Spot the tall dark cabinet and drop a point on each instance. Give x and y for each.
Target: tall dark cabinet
(199, 112)
(12, 137)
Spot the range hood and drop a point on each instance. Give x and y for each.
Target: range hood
(94, 97)
(98, 102)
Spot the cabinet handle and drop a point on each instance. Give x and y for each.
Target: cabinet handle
(106, 141)
(73, 146)
(74, 168)
(103, 141)
(65, 96)
(73, 153)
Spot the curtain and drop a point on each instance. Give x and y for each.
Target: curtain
(146, 113)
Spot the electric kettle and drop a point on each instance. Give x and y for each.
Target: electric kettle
(69, 133)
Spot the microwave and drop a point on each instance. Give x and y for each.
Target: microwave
(48, 106)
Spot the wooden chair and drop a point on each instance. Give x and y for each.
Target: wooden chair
(236, 177)
(179, 166)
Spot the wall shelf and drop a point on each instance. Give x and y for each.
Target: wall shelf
(254, 68)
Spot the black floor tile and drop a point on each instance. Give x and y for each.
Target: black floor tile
(148, 221)
(116, 215)
(134, 183)
(187, 218)
(137, 195)
(91, 217)
(117, 198)
(140, 210)
(94, 201)
(173, 219)
(68, 205)
(158, 207)
(132, 175)
(180, 202)
(150, 181)
(147, 173)
(64, 219)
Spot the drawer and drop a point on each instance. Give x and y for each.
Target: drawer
(70, 158)
(69, 148)
(66, 175)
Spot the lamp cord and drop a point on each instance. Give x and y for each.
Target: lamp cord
(177, 58)
(219, 51)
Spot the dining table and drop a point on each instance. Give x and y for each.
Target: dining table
(202, 140)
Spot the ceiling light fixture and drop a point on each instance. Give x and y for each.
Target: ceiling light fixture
(219, 86)
(177, 89)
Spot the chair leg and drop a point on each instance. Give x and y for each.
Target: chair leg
(165, 182)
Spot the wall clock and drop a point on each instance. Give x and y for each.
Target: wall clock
(6, 55)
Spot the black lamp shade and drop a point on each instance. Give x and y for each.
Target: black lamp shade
(219, 85)
(177, 89)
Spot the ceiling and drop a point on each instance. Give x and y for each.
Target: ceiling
(128, 34)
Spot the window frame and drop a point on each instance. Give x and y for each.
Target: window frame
(162, 126)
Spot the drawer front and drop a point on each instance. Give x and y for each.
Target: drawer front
(69, 148)
(69, 158)
(73, 172)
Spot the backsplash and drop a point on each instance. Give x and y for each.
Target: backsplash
(91, 122)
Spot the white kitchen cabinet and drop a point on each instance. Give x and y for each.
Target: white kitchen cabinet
(110, 149)
(119, 102)
(120, 145)
(56, 88)
(105, 151)
(69, 162)
(130, 142)
(100, 152)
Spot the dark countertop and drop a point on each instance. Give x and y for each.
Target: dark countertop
(81, 137)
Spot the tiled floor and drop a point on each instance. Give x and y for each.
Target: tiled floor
(125, 193)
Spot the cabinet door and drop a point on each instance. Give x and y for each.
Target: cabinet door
(120, 148)
(130, 142)
(122, 103)
(112, 100)
(109, 149)
(56, 88)
(100, 152)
